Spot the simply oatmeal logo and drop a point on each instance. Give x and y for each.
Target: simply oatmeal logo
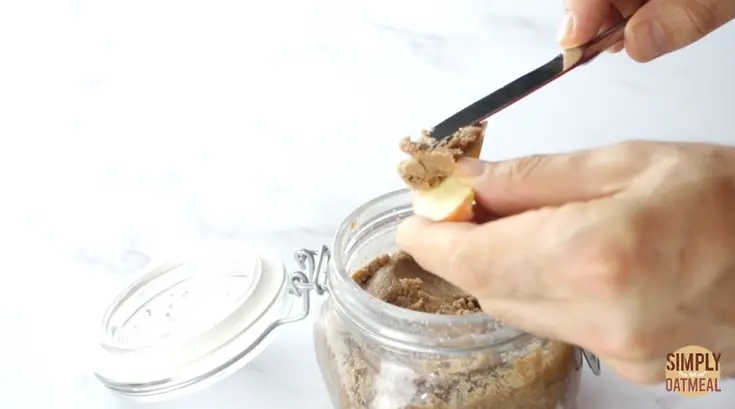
(693, 371)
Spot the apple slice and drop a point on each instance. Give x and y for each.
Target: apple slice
(451, 201)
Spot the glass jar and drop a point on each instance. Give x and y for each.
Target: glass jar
(374, 355)
(195, 318)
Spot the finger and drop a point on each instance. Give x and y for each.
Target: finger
(542, 318)
(621, 9)
(562, 320)
(609, 14)
(614, 17)
(482, 215)
(618, 47)
(647, 372)
(582, 21)
(430, 243)
(628, 7)
(519, 257)
(532, 182)
(663, 26)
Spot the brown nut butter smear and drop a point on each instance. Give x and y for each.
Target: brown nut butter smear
(362, 373)
(399, 281)
(430, 163)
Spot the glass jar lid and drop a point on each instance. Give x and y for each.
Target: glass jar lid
(188, 322)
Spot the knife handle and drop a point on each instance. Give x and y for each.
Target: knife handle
(574, 57)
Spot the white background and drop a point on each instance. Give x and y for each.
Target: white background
(132, 129)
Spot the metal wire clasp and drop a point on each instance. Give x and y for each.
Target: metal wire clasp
(301, 284)
(592, 361)
(313, 278)
(316, 266)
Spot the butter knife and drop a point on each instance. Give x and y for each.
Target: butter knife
(520, 88)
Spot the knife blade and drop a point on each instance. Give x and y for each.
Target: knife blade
(522, 87)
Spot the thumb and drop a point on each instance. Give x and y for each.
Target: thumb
(533, 182)
(664, 26)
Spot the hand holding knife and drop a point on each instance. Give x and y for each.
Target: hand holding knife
(520, 88)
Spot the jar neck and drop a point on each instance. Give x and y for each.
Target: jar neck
(369, 232)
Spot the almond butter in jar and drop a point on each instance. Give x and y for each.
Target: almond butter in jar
(391, 336)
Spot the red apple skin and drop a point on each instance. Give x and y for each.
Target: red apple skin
(463, 213)
(449, 202)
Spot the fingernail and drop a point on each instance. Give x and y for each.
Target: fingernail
(651, 39)
(566, 28)
(468, 169)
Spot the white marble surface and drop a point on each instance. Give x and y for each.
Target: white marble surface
(130, 129)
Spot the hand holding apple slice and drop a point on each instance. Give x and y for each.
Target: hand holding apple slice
(451, 201)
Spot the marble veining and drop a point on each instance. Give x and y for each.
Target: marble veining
(132, 130)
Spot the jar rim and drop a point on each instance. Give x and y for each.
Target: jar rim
(363, 297)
